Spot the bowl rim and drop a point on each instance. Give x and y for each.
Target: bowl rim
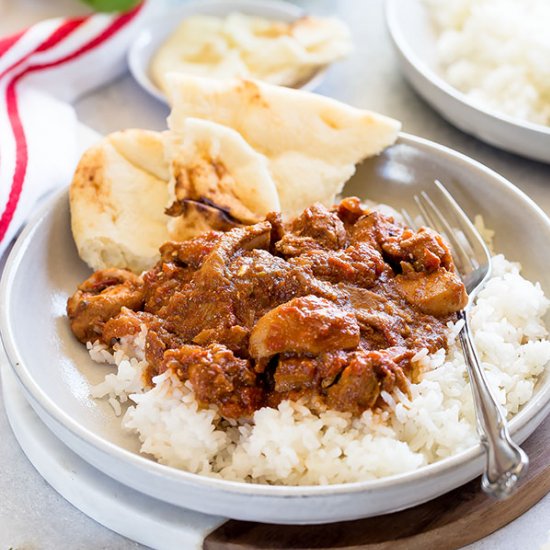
(529, 411)
(139, 59)
(431, 76)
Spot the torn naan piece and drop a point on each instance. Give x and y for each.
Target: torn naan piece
(117, 198)
(246, 46)
(217, 180)
(312, 142)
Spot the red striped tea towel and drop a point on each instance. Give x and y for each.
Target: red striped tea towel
(42, 70)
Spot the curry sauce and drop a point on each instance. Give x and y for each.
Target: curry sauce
(330, 307)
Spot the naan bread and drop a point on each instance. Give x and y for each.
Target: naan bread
(312, 142)
(288, 54)
(236, 150)
(245, 46)
(213, 165)
(208, 176)
(117, 198)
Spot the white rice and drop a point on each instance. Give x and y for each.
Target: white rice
(496, 52)
(293, 446)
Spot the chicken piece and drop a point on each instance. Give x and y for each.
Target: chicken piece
(320, 224)
(381, 320)
(379, 231)
(218, 378)
(315, 229)
(233, 242)
(298, 373)
(161, 282)
(157, 339)
(427, 250)
(366, 375)
(262, 281)
(101, 297)
(349, 210)
(357, 388)
(190, 253)
(234, 338)
(360, 264)
(156, 345)
(330, 365)
(392, 366)
(438, 293)
(199, 306)
(126, 323)
(424, 249)
(295, 373)
(208, 300)
(307, 325)
(179, 262)
(292, 245)
(277, 228)
(179, 360)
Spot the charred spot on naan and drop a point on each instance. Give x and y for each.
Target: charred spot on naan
(193, 217)
(208, 182)
(90, 183)
(213, 165)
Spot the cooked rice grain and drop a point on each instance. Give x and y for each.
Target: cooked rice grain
(496, 52)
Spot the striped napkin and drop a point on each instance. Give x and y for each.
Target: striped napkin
(42, 70)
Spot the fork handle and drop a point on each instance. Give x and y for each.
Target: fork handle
(506, 461)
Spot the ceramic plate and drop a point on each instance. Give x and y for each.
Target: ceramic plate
(158, 30)
(56, 371)
(415, 41)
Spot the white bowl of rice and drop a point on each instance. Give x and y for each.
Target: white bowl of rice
(292, 466)
(483, 65)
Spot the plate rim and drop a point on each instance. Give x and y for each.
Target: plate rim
(461, 459)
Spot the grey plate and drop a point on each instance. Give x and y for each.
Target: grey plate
(56, 372)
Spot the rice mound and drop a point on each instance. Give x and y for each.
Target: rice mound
(496, 52)
(291, 445)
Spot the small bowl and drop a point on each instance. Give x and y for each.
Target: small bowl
(414, 38)
(156, 31)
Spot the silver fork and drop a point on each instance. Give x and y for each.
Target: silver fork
(506, 461)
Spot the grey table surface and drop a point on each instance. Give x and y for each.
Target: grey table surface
(32, 515)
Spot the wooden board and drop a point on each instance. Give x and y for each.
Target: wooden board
(451, 521)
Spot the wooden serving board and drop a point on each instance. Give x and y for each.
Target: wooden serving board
(451, 521)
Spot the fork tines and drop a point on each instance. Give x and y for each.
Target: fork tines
(446, 216)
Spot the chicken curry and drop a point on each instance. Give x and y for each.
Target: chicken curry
(330, 307)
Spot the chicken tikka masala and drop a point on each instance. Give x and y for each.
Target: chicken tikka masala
(330, 307)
